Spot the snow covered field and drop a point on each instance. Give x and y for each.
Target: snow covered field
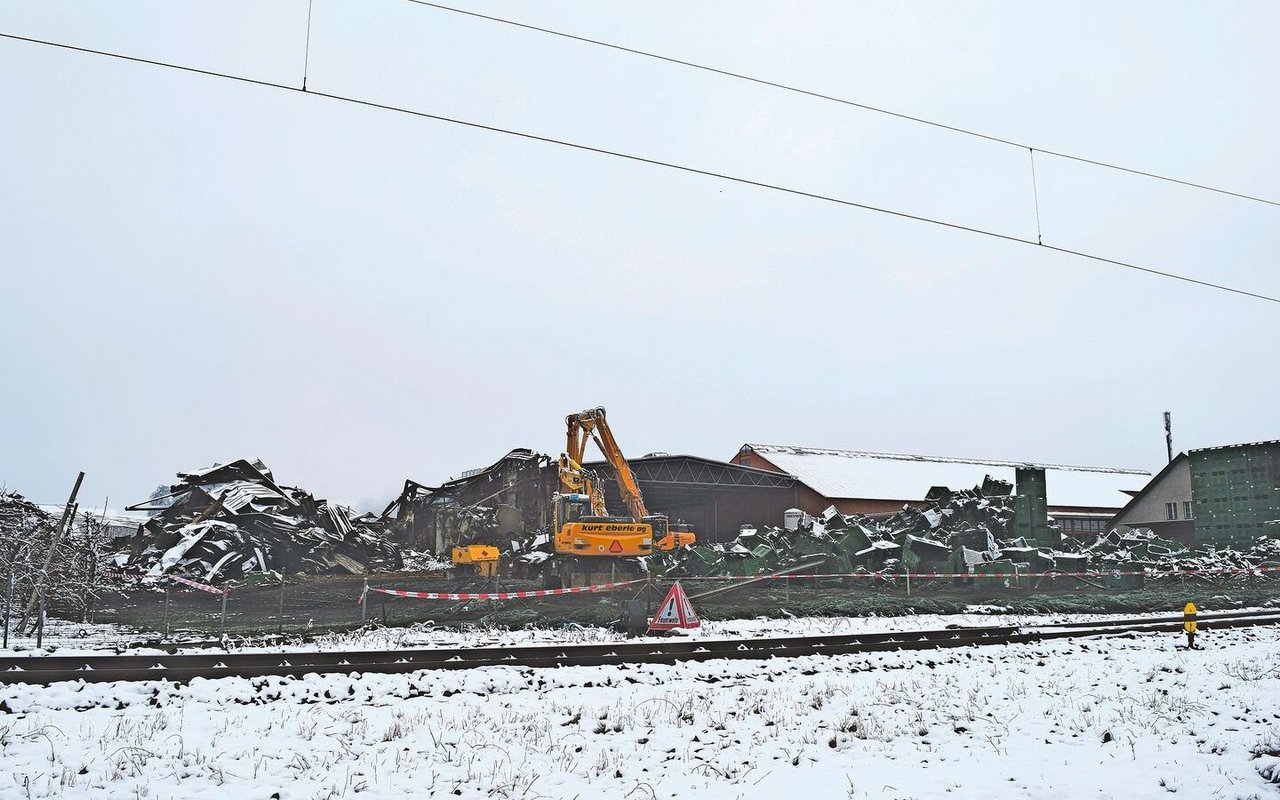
(1100, 718)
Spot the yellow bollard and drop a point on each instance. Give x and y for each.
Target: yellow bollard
(1189, 624)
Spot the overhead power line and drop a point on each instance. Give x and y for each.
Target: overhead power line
(638, 159)
(843, 101)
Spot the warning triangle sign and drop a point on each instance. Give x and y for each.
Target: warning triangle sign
(616, 547)
(675, 612)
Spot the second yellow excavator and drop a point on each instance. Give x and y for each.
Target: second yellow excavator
(582, 525)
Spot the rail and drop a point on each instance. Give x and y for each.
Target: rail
(184, 667)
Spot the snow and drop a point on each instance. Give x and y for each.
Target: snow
(1106, 717)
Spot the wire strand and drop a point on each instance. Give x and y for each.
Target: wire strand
(306, 58)
(1035, 191)
(638, 159)
(843, 101)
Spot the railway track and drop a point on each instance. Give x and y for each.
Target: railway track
(184, 667)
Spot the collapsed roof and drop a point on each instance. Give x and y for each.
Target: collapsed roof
(230, 520)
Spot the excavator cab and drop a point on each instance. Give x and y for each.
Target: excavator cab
(571, 508)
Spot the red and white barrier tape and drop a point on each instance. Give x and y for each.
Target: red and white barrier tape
(599, 587)
(204, 587)
(931, 575)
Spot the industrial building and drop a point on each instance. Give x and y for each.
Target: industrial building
(716, 497)
(1081, 499)
(1221, 496)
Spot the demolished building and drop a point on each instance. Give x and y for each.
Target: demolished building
(231, 520)
(510, 499)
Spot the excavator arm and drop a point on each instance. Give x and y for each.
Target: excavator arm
(575, 480)
(591, 424)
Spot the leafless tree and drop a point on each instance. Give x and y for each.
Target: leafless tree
(69, 577)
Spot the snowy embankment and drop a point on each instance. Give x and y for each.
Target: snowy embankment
(1103, 718)
(69, 638)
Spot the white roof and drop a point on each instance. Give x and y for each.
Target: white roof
(893, 476)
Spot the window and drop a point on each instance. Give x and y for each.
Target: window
(1187, 513)
(1171, 510)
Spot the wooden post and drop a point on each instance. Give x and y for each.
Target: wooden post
(90, 594)
(8, 606)
(40, 621)
(364, 603)
(166, 610)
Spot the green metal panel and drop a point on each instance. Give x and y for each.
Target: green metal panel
(1022, 524)
(1032, 485)
(1234, 493)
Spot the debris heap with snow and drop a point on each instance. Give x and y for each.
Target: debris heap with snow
(972, 533)
(230, 520)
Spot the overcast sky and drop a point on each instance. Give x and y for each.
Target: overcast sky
(196, 270)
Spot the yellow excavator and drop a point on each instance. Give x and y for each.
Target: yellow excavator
(583, 526)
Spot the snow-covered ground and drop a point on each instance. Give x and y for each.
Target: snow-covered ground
(1106, 717)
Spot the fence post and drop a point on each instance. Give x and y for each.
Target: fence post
(8, 607)
(166, 610)
(93, 583)
(280, 609)
(364, 603)
(40, 619)
(222, 626)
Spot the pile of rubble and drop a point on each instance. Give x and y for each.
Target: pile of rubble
(231, 520)
(972, 533)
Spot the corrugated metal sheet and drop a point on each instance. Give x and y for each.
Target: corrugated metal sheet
(241, 495)
(838, 474)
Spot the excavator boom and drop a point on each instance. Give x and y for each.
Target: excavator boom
(592, 423)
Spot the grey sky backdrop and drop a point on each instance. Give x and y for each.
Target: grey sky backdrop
(194, 270)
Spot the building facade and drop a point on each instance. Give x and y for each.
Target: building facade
(1235, 491)
(1164, 505)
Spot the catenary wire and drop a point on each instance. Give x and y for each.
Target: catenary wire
(635, 158)
(306, 57)
(843, 101)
